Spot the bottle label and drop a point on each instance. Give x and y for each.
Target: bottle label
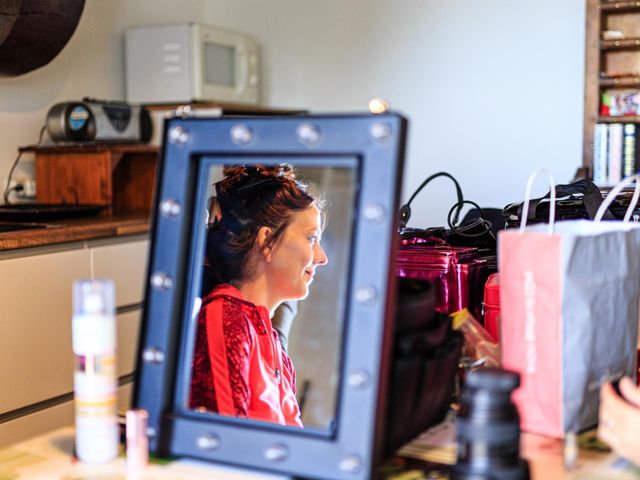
(95, 394)
(95, 364)
(95, 409)
(93, 334)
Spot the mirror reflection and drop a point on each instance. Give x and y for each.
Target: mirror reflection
(275, 269)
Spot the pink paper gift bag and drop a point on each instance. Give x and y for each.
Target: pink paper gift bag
(569, 294)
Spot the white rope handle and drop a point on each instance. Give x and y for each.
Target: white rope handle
(615, 191)
(527, 199)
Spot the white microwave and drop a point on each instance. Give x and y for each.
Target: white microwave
(190, 62)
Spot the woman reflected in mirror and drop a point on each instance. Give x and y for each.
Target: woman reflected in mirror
(262, 250)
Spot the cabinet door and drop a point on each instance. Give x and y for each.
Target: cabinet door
(36, 423)
(126, 264)
(36, 361)
(52, 418)
(128, 331)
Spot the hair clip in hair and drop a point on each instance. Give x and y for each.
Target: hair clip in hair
(258, 183)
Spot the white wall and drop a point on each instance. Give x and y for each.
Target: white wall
(492, 88)
(91, 64)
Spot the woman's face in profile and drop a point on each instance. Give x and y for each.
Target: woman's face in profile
(297, 254)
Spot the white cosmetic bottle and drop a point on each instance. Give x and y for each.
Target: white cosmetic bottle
(95, 381)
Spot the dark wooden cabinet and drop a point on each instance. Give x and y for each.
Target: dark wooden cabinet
(121, 177)
(612, 63)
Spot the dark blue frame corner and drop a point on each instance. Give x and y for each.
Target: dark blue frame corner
(352, 449)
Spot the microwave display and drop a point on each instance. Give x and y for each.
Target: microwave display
(219, 63)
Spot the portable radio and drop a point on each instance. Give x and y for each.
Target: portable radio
(94, 120)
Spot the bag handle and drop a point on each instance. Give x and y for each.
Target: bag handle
(527, 199)
(615, 191)
(486, 224)
(405, 210)
(591, 199)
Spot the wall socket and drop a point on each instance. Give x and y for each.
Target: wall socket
(28, 190)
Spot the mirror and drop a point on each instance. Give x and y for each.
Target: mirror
(340, 337)
(309, 328)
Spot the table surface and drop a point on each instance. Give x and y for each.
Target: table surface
(75, 230)
(49, 457)
(545, 455)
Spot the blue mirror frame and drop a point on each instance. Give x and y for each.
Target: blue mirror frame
(374, 145)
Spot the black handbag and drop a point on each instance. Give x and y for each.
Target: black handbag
(426, 353)
(477, 229)
(577, 200)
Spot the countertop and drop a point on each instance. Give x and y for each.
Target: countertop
(589, 458)
(49, 457)
(77, 229)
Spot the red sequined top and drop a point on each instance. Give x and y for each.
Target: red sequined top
(239, 367)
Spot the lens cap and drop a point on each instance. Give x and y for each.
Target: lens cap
(493, 379)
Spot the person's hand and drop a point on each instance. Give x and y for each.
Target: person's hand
(620, 419)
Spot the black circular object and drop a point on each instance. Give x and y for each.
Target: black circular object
(33, 32)
(488, 429)
(405, 214)
(71, 121)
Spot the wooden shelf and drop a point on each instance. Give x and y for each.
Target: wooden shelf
(229, 109)
(620, 55)
(620, 44)
(121, 177)
(90, 147)
(619, 82)
(620, 7)
(624, 119)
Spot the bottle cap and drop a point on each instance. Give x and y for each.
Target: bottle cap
(93, 296)
(137, 440)
(493, 379)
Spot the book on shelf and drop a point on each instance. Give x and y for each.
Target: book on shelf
(600, 151)
(616, 152)
(614, 157)
(629, 139)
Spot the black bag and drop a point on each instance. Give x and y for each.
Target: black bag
(475, 229)
(426, 354)
(578, 200)
(455, 289)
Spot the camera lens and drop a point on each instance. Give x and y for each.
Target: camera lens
(488, 428)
